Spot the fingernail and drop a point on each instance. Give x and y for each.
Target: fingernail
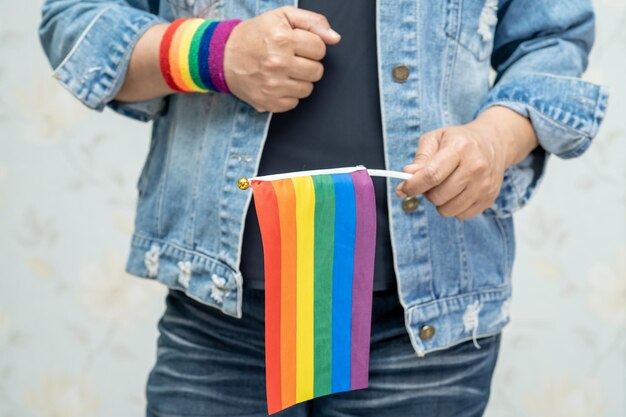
(334, 34)
(400, 193)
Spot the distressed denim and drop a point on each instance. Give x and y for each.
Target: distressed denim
(212, 365)
(452, 275)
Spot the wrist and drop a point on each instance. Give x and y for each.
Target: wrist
(143, 79)
(512, 131)
(191, 55)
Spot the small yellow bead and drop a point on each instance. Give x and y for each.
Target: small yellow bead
(243, 183)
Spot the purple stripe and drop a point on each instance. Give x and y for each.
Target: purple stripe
(216, 53)
(364, 250)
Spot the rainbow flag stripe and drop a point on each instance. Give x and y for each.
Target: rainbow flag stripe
(319, 236)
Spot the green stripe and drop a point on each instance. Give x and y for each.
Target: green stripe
(194, 67)
(323, 282)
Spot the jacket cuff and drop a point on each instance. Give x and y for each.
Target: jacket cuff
(95, 68)
(565, 112)
(143, 111)
(520, 183)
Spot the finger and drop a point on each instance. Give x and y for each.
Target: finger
(459, 204)
(427, 147)
(299, 89)
(313, 22)
(451, 187)
(305, 69)
(293, 88)
(309, 45)
(284, 104)
(432, 173)
(473, 211)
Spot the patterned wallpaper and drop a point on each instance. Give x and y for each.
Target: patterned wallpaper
(77, 335)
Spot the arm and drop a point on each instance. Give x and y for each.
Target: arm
(89, 43)
(538, 99)
(539, 58)
(143, 80)
(270, 54)
(107, 53)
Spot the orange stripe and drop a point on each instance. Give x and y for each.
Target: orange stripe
(174, 57)
(266, 205)
(286, 197)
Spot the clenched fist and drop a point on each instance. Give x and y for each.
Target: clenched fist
(272, 60)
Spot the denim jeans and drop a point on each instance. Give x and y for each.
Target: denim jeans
(210, 364)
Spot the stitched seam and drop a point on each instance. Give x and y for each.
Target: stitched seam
(221, 204)
(429, 254)
(176, 246)
(381, 95)
(79, 40)
(465, 273)
(498, 290)
(546, 117)
(420, 122)
(466, 339)
(452, 48)
(505, 246)
(125, 58)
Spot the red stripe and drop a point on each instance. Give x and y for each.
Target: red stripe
(164, 49)
(266, 206)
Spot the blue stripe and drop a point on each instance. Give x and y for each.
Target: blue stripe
(343, 269)
(203, 56)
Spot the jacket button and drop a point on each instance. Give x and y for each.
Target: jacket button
(400, 73)
(427, 332)
(243, 183)
(410, 204)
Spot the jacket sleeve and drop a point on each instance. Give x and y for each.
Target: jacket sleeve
(89, 43)
(540, 52)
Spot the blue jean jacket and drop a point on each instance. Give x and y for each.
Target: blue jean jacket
(454, 277)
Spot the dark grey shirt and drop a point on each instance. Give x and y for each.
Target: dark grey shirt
(337, 125)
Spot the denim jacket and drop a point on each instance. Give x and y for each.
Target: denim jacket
(454, 277)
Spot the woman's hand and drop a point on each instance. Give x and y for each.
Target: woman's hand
(460, 168)
(271, 61)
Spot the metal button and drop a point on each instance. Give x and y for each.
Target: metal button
(410, 204)
(243, 183)
(400, 73)
(427, 332)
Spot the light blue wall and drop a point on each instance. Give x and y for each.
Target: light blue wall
(77, 335)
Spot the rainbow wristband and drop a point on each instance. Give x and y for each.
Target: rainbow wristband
(191, 55)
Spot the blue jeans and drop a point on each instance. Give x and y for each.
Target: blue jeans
(211, 364)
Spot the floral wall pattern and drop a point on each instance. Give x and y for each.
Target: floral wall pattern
(77, 334)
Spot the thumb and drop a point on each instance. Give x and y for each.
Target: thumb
(312, 22)
(426, 149)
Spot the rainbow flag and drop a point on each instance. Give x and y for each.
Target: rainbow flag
(319, 235)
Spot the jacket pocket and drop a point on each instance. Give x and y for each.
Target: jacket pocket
(488, 244)
(472, 24)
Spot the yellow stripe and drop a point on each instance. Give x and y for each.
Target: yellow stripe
(305, 219)
(183, 52)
